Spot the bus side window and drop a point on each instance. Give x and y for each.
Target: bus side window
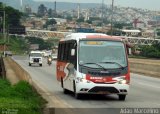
(73, 59)
(65, 52)
(62, 51)
(59, 51)
(68, 51)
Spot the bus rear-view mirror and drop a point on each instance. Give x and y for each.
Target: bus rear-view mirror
(70, 66)
(72, 52)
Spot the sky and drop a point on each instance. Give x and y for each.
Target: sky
(144, 4)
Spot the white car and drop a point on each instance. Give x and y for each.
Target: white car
(35, 57)
(54, 56)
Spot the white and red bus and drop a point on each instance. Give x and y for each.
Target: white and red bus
(93, 63)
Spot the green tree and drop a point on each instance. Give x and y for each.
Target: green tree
(50, 13)
(89, 21)
(51, 22)
(69, 18)
(81, 19)
(42, 10)
(152, 51)
(94, 18)
(42, 44)
(158, 33)
(118, 25)
(12, 16)
(17, 44)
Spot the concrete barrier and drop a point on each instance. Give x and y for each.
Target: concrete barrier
(21, 74)
(10, 74)
(147, 67)
(14, 73)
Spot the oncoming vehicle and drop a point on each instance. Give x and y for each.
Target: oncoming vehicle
(93, 63)
(49, 60)
(35, 57)
(54, 56)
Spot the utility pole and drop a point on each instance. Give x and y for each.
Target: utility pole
(55, 9)
(78, 11)
(4, 30)
(112, 18)
(21, 4)
(155, 30)
(102, 15)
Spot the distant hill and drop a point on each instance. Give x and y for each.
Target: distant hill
(60, 5)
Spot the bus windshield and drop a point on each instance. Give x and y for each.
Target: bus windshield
(107, 54)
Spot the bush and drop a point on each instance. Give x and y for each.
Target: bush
(23, 89)
(5, 89)
(152, 51)
(21, 96)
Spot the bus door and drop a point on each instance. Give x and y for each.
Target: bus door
(66, 63)
(72, 66)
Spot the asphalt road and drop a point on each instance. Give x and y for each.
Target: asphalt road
(144, 91)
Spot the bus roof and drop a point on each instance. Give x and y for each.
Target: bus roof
(78, 36)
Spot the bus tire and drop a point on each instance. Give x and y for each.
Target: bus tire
(65, 91)
(122, 97)
(62, 82)
(76, 95)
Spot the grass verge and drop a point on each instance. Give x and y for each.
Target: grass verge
(138, 57)
(142, 57)
(20, 98)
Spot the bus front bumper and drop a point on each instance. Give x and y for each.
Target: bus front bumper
(96, 88)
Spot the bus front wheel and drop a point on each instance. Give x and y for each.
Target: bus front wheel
(65, 91)
(122, 97)
(76, 95)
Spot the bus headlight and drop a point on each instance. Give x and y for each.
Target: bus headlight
(78, 79)
(122, 82)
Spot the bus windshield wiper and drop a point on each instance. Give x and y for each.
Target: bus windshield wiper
(95, 64)
(114, 63)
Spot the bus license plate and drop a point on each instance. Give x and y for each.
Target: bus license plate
(103, 92)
